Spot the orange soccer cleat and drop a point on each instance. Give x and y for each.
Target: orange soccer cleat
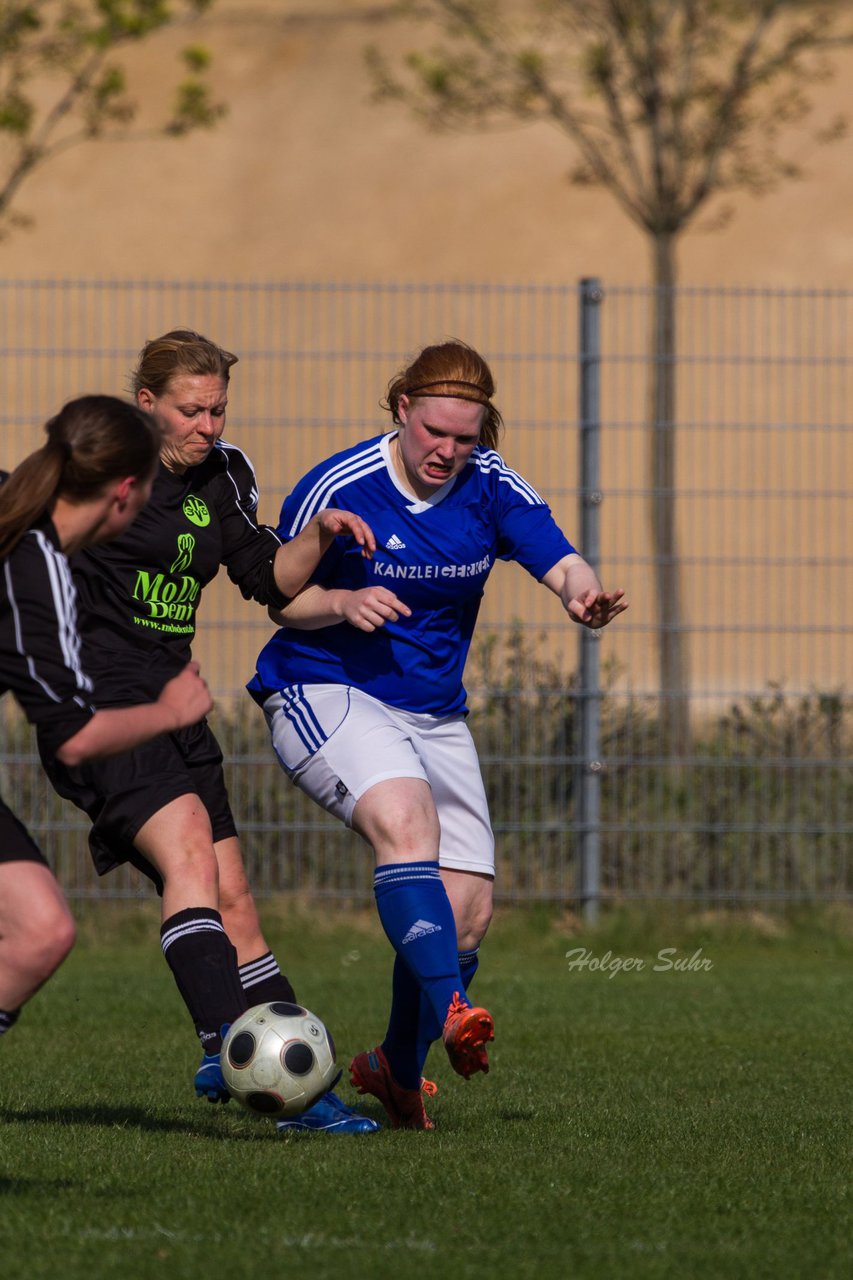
(370, 1073)
(467, 1031)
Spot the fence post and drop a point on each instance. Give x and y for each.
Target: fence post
(589, 765)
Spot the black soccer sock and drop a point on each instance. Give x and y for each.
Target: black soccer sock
(204, 966)
(7, 1018)
(264, 982)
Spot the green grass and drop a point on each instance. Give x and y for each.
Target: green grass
(691, 1123)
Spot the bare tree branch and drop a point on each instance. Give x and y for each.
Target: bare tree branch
(681, 85)
(69, 50)
(682, 109)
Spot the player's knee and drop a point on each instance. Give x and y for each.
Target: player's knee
(191, 865)
(400, 825)
(236, 899)
(235, 894)
(239, 915)
(473, 931)
(472, 928)
(46, 941)
(64, 937)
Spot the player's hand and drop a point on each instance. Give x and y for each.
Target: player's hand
(372, 607)
(332, 523)
(594, 609)
(187, 696)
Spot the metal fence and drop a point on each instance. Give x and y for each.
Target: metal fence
(589, 800)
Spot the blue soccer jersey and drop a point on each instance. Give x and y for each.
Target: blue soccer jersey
(434, 554)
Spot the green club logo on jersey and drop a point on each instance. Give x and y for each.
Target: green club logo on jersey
(196, 511)
(186, 546)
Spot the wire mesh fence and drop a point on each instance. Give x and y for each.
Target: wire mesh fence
(757, 802)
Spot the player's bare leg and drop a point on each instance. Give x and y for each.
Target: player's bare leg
(236, 904)
(398, 820)
(36, 931)
(471, 897)
(260, 975)
(178, 842)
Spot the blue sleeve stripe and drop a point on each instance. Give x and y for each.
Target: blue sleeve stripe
(346, 472)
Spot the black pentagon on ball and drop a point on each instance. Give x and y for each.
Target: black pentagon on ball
(285, 1010)
(264, 1103)
(298, 1058)
(241, 1049)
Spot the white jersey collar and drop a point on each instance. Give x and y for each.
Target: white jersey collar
(415, 504)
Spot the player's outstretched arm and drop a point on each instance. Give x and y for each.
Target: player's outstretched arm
(296, 560)
(184, 700)
(316, 606)
(582, 595)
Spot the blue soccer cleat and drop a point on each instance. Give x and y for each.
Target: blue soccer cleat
(328, 1115)
(208, 1080)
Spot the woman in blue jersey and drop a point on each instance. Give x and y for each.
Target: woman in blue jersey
(84, 486)
(362, 689)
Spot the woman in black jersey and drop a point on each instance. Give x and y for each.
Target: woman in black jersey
(164, 807)
(83, 487)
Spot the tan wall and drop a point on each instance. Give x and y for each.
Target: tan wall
(307, 180)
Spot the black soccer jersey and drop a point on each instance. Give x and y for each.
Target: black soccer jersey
(138, 595)
(40, 661)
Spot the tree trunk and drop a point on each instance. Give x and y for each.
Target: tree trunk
(673, 665)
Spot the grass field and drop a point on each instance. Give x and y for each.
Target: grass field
(639, 1120)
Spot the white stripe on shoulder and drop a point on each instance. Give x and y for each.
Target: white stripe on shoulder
(489, 461)
(63, 598)
(247, 494)
(354, 467)
(65, 604)
(233, 457)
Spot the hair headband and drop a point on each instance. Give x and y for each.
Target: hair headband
(448, 382)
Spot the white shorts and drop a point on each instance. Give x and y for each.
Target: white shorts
(336, 742)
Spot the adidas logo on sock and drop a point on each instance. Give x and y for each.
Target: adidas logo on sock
(395, 544)
(420, 929)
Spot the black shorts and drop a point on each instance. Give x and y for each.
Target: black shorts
(16, 843)
(120, 793)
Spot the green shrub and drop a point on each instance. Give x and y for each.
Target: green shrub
(762, 807)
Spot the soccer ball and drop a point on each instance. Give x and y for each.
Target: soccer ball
(277, 1059)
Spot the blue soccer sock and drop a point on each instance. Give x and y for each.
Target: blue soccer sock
(469, 963)
(413, 1026)
(400, 1045)
(428, 1028)
(418, 919)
